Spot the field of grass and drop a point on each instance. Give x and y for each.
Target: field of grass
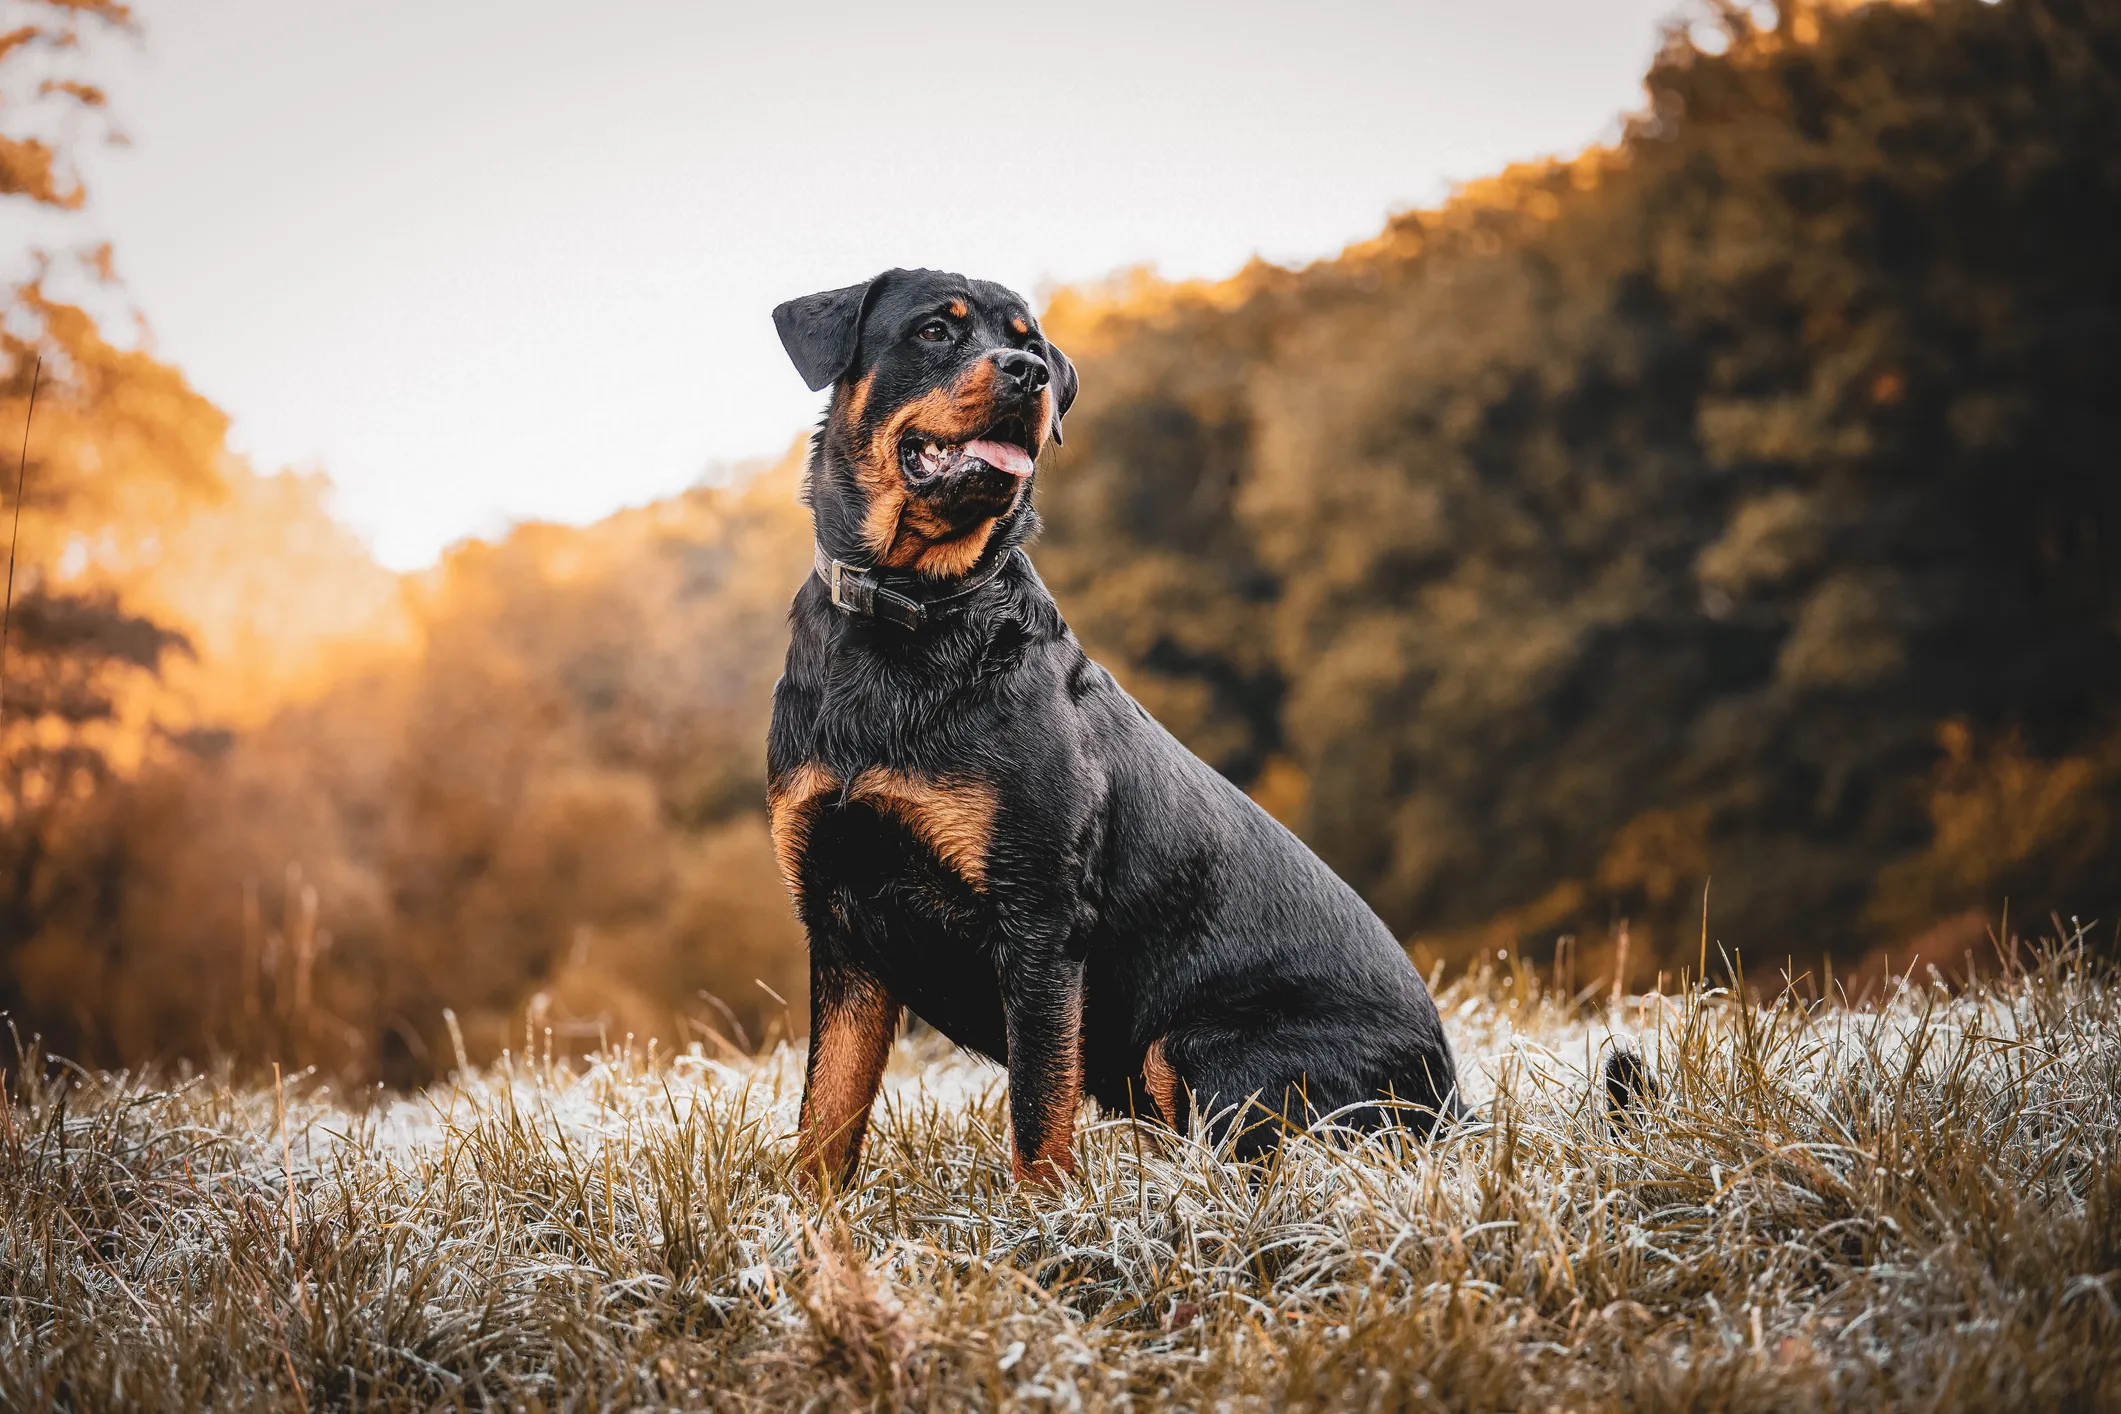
(1912, 1204)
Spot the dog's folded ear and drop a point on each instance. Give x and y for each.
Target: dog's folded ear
(1063, 386)
(822, 331)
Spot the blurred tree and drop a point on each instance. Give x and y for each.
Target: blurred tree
(1738, 500)
(253, 799)
(35, 91)
(1650, 515)
(120, 443)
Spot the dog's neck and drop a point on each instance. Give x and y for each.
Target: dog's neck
(862, 594)
(857, 586)
(1008, 535)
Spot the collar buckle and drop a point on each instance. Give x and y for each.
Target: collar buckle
(857, 591)
(841, 568)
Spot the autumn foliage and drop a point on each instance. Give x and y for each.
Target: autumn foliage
(1737, 502)
(1730, 509)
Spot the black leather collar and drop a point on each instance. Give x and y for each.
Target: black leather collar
(863, 593)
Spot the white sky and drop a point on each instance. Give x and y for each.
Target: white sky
(488, 261)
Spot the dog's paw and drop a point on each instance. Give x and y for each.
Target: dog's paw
(1046, 1173)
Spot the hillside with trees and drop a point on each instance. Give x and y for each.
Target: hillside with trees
(261, 798)
(1739, 502)
(1730, 509)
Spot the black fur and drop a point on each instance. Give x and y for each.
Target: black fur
(1122, 880)
(1630, 1087)
(819, 332)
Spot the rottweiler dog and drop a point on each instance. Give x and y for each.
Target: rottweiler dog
(976, 822)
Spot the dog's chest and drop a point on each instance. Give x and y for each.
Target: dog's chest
(897, 863)
(951, 819)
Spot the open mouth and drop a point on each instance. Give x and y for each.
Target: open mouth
(1001, 446)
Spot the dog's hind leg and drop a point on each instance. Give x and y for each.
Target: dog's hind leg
(1264, 1081)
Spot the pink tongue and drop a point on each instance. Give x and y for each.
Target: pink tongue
(1002, 456)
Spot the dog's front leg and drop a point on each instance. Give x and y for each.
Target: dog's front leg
(852, 1018)
(1042, 991)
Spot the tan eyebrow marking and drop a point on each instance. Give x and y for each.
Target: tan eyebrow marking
(1020, 326)
(958, 308)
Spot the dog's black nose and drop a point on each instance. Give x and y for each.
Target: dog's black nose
(1027, 370)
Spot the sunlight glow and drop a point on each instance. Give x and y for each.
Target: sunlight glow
(482, 262)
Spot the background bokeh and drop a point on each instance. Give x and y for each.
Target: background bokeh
(1732, 509)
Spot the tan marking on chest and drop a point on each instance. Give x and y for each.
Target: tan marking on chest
(955, 818)
(791, 804)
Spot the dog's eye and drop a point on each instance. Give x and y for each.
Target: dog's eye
(935, 331)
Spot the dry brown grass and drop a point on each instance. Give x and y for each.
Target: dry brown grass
(1916, 1204)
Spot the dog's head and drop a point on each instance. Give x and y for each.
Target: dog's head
(944, 392)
